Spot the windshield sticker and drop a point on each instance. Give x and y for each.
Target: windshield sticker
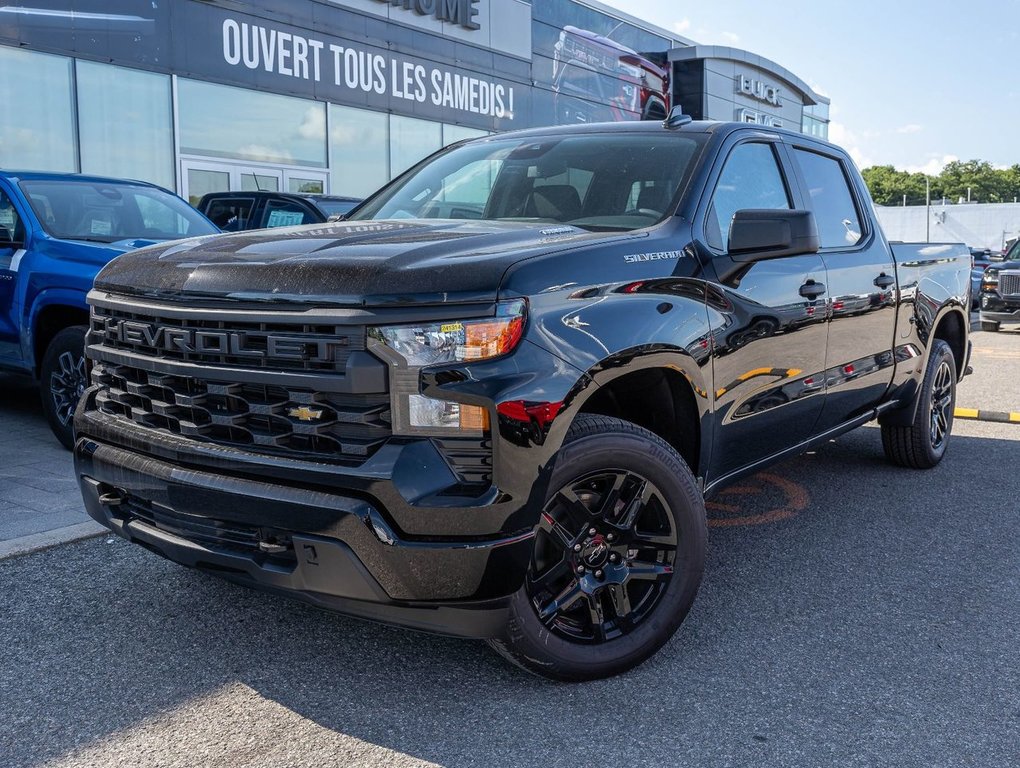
(637, 258)
(102, 227)
(285, 218)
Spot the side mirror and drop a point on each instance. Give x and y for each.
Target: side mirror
(756, 235)
(996, 257)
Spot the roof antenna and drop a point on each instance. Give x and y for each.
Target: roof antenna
(677, 118)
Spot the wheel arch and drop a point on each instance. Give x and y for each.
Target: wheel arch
(49, 320)
(951, 328)
(638, 387)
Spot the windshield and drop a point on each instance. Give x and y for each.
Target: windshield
(106, 212)
(336, 207)
(592, 181)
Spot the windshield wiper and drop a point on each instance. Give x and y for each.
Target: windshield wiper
(89, 238)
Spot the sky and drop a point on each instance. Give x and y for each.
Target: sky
(913, 84)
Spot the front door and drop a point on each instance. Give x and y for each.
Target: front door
(12, 249)
(768, 323)
(861, 289)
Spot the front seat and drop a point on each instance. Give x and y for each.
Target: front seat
(555, 201)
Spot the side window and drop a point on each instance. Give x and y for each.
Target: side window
(231, 214)
(750, 179)
(286, 214)
(10, 224)
(839, 224)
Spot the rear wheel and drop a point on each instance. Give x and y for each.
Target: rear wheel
(922, 444)
(618, 557)
(63, 380)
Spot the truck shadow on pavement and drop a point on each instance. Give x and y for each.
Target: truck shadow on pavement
(877, 620)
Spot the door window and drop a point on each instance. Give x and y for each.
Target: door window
(284, 214)
(10, 223)
(750, 179)
(839, 224)
(231, 214)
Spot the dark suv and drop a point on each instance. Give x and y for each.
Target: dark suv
(1000, 292)
(236, 211)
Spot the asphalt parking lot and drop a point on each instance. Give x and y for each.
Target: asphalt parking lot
(852, 614)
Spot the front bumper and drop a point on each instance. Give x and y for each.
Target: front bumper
(1008, 317)
(333, 549)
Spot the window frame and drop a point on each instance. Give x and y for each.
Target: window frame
(790, 181)
(867, 231)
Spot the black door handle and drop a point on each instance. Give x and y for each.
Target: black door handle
(812, 290)
(883, 281)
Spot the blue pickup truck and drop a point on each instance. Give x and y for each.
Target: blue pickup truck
(56, 232)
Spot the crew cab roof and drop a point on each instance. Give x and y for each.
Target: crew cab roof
(713, 127)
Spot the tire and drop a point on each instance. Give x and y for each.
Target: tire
(62, 380)
(989, 326)
(642, 566)
(922, 444)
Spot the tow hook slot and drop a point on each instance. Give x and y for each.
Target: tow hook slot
(272, 543)
(111, 499)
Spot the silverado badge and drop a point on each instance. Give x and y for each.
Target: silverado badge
(304, 413)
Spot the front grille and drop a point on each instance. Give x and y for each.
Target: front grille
(251, 343)
(1009, 283)
(274, 419)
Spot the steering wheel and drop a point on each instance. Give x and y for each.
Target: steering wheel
(643, 212)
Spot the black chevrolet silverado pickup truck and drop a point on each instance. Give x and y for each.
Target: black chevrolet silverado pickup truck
(492, 404)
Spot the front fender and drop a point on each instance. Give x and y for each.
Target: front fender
(48, 297)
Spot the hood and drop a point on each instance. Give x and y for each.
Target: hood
(1002, 266)
(88, 251)
(342, 263)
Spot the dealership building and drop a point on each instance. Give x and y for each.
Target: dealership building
(340, 96)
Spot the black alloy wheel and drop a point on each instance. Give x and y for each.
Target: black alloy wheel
(618, 556)
(63, 380)
(941, 408)
(604, 555)
(922, 443)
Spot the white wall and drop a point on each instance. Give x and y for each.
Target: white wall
(979, 226)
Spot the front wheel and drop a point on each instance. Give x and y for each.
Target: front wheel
(618, 556)
(922, 444)
(63, 380)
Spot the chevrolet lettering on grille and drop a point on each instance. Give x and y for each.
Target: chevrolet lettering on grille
(215, 342)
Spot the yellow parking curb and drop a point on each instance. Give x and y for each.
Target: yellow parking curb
(1003, 417)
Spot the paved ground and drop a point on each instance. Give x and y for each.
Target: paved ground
(853, 614)
(37, 489)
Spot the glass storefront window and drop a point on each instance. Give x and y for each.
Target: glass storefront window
(37, 121)
(220, 121)
(124, 123)
(452, 133)
(412, 140)
(359, 141)
(306, 186)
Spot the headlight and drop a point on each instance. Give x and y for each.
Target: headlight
(457, 341)
(409, 348)
(989, 282)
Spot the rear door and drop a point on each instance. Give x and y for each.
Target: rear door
(861, 284)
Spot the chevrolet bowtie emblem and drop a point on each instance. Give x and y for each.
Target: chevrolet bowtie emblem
(304, 413)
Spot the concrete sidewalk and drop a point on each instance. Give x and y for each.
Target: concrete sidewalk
(39, 500)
